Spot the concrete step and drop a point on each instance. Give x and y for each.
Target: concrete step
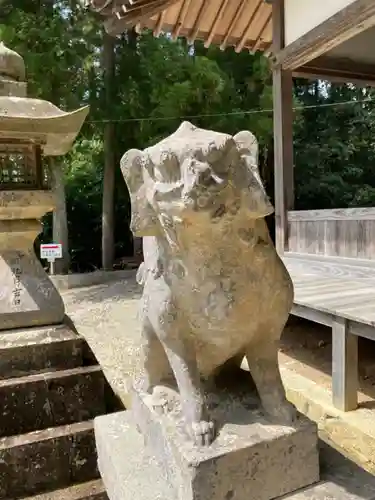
(30, 350)
(352, 432)
(47, 460)
(92, 490)
(44, 400)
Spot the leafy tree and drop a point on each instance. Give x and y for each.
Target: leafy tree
(334, 151)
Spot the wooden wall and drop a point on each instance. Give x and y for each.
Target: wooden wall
(337, 233)
(302, 16)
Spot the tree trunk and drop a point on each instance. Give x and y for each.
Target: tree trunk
(60, 219)
(109, 159)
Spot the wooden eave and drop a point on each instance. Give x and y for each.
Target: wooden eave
(242, 24)
(248, 25)
(345, 24)
(337, 70)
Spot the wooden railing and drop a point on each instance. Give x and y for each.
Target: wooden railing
(338, 233)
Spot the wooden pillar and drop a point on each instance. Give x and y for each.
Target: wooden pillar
(283, 133)
(344, 366)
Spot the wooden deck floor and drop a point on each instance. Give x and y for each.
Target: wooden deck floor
(338, 293)
(345, 291)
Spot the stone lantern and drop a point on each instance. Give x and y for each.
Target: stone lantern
(29, 130)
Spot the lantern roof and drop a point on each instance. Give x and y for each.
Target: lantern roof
(33, 120)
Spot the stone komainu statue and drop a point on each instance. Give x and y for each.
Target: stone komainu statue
(214, 286)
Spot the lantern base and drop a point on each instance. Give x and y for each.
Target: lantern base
(27, 295)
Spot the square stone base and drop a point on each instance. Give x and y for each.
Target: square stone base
(128, 470)
(251, 459)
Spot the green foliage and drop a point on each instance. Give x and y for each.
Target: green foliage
(334, 152)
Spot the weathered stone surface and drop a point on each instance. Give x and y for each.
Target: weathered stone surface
(214, 286)
(23, 118)
(24, 205)
(11, 64)
(250, 458)
(128, 471)
(41, 452)
(137, 476)
(50, 399)
(27, 295)
(46, 460)
(30, 350)
(12, 89)
(92, 490)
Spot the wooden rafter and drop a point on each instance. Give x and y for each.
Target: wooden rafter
(214, 26)
(258, 39)
(159, 24)
(181, 19)
(233, 23)
(126, 17)
(240, 45)
(194, 32)
(133, 13)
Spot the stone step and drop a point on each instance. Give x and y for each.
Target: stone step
(30, 350)
(47, 460)
(92, 490)
(44, 400)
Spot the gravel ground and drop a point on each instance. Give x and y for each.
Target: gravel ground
(106, 315)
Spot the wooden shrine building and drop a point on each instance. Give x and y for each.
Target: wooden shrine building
(329, 253)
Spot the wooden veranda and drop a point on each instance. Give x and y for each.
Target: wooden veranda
(329, 253)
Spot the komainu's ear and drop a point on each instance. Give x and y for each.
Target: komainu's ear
(131, 168)
(247, 176)
(247, 145)
(144, 221)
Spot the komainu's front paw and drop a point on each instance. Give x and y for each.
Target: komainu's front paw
(203, 432)
(159, 400)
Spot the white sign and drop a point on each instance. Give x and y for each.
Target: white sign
(51, 251)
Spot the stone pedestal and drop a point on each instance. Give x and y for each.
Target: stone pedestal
(143, 455)
(27, 295)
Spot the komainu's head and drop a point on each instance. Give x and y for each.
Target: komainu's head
(194, 173)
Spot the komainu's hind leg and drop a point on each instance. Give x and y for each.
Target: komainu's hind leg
(263, 364)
